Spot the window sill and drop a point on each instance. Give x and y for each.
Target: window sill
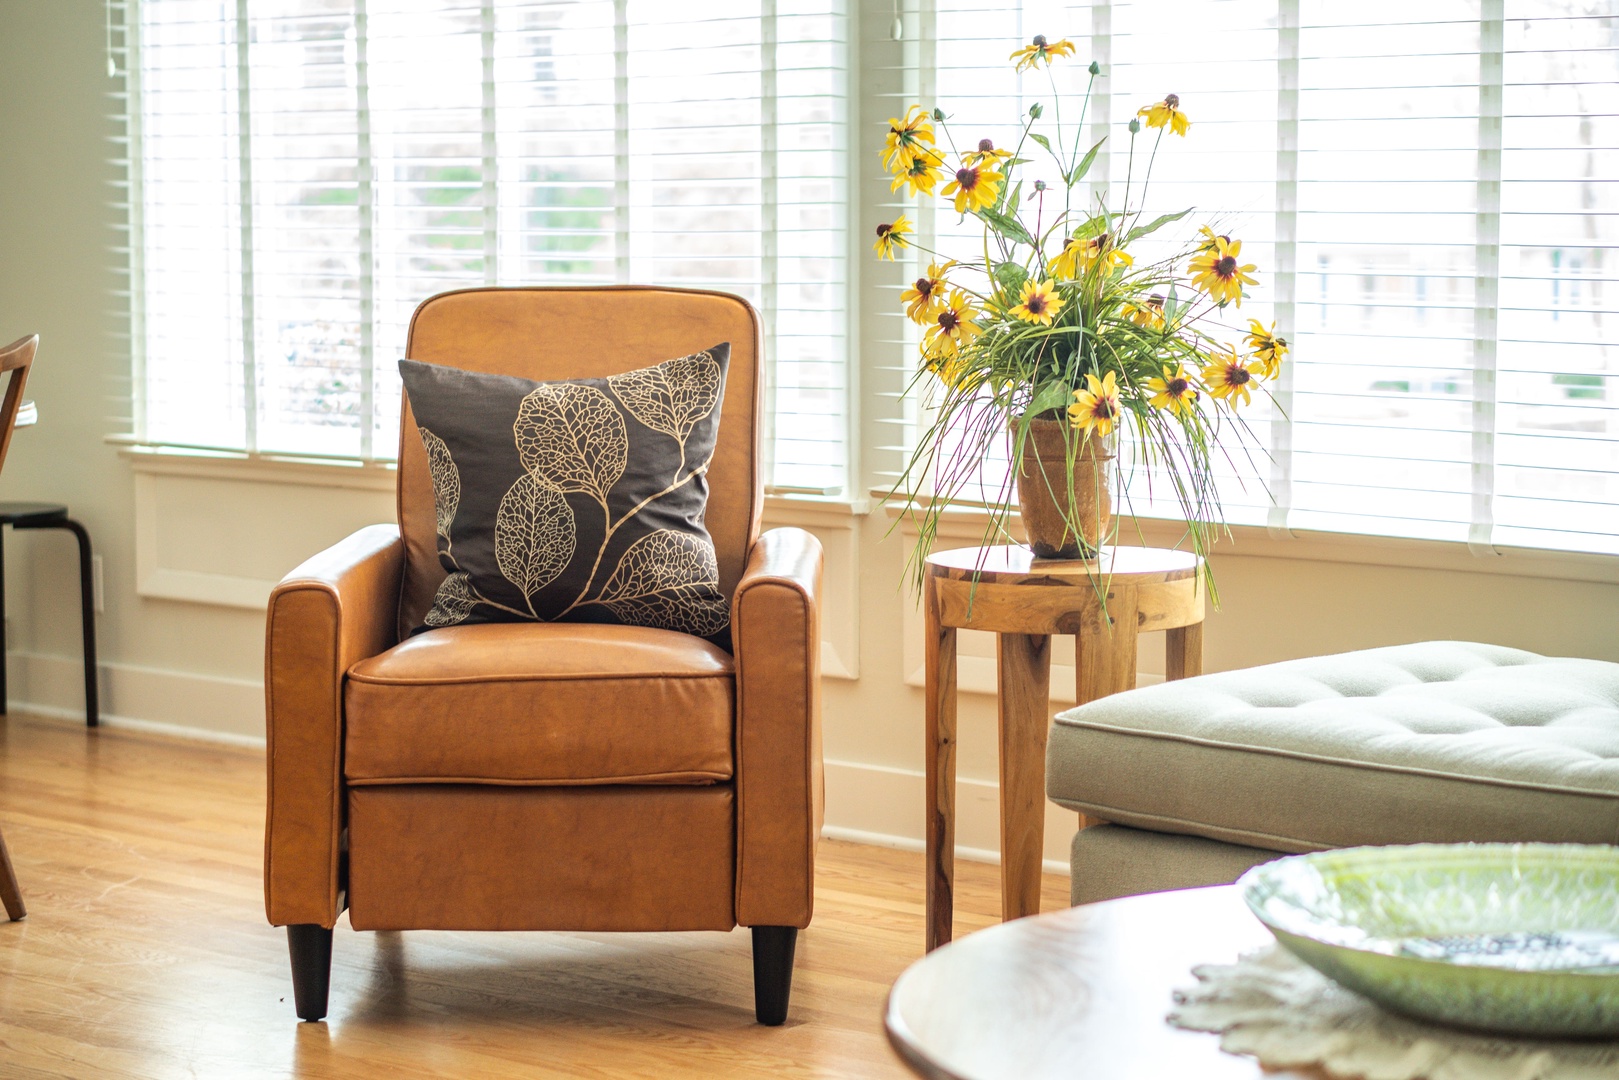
(167, 460)
(964, 525)
(162, 460)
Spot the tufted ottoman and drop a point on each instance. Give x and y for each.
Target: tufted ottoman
(1442, 741)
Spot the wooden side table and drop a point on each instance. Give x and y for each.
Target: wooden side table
(1024, 600)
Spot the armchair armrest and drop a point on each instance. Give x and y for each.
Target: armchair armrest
(776, 630)
(335, 609)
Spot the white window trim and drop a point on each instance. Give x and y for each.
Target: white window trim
(962, 526)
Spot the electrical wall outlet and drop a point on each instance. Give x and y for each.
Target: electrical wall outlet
(97, 590)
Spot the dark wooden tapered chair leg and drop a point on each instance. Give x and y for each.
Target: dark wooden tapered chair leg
(10, 894)
(772, 972)
(311, 948)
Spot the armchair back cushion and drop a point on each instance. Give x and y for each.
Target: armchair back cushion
(572, 333)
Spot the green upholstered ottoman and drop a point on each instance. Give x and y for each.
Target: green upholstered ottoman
(1443, 741)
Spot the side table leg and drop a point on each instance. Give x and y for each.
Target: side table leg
(940, 650)
(1105, 655)
(1023, 664)
(1183, 648)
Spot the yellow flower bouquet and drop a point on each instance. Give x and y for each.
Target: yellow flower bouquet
(1058, 339)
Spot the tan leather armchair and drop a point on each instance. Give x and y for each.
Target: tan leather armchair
(549, 776)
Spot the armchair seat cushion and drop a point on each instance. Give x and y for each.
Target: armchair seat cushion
(541, 704)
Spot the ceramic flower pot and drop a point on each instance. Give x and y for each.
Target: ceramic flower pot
(1049, 515)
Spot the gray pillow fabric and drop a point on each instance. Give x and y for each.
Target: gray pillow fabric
(578, 500)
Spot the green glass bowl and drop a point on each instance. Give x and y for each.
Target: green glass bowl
(1357, 914)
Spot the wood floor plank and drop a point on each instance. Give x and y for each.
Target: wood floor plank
(145, 953)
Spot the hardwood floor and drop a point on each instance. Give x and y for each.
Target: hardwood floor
(145, 952)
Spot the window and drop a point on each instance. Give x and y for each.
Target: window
(303, 173)
(1429, 191)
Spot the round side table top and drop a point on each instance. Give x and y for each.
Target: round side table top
(1010, 564)
(1076, 993)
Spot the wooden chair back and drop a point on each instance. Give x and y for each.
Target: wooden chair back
(16, 358)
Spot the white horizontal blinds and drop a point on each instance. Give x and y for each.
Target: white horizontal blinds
(1557, 382)
(1221, 59)
(557, 142)
(983, 97)
(428, 88)
(899, 417)
(716, 202)
(1428, 190)
(1392, 346)
(302, 186)
(353, 157)
(188, 196)
(806, 224)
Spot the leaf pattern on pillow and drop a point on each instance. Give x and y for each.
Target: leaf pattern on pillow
(671, 397)
(574, 437)
(446, 482)
(453, 602)
(534, 535)
(668, 580)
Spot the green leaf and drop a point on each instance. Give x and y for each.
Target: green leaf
(1053, 395)
(1171, 306)
(1009, 197)
(1010, 276)
(1041, 139)
(1093, 226)
(1084, 165)
(1006, 225)
(1154, 225)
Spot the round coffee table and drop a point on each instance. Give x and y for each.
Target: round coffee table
(1079, 994)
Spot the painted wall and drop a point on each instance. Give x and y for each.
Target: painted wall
(219, 535)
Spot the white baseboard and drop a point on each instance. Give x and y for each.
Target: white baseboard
(208, 707)
(75, 718)
(882, 805)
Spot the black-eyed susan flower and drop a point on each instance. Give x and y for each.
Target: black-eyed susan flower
(1041, 51)
(1269, 349)
(953, 326)
(1038, 302)
(948, 367)
(1096, 408)
(1079, 253)
(1219, 274)
(987, 154)
(1167, 111)
(891, 235)
(909, 138)
(1228, 377)
(1173, 392)
(1148, 314)
(974, 188)
(925, 298)
(920, 177)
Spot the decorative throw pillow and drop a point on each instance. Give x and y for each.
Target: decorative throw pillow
(578, 500)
